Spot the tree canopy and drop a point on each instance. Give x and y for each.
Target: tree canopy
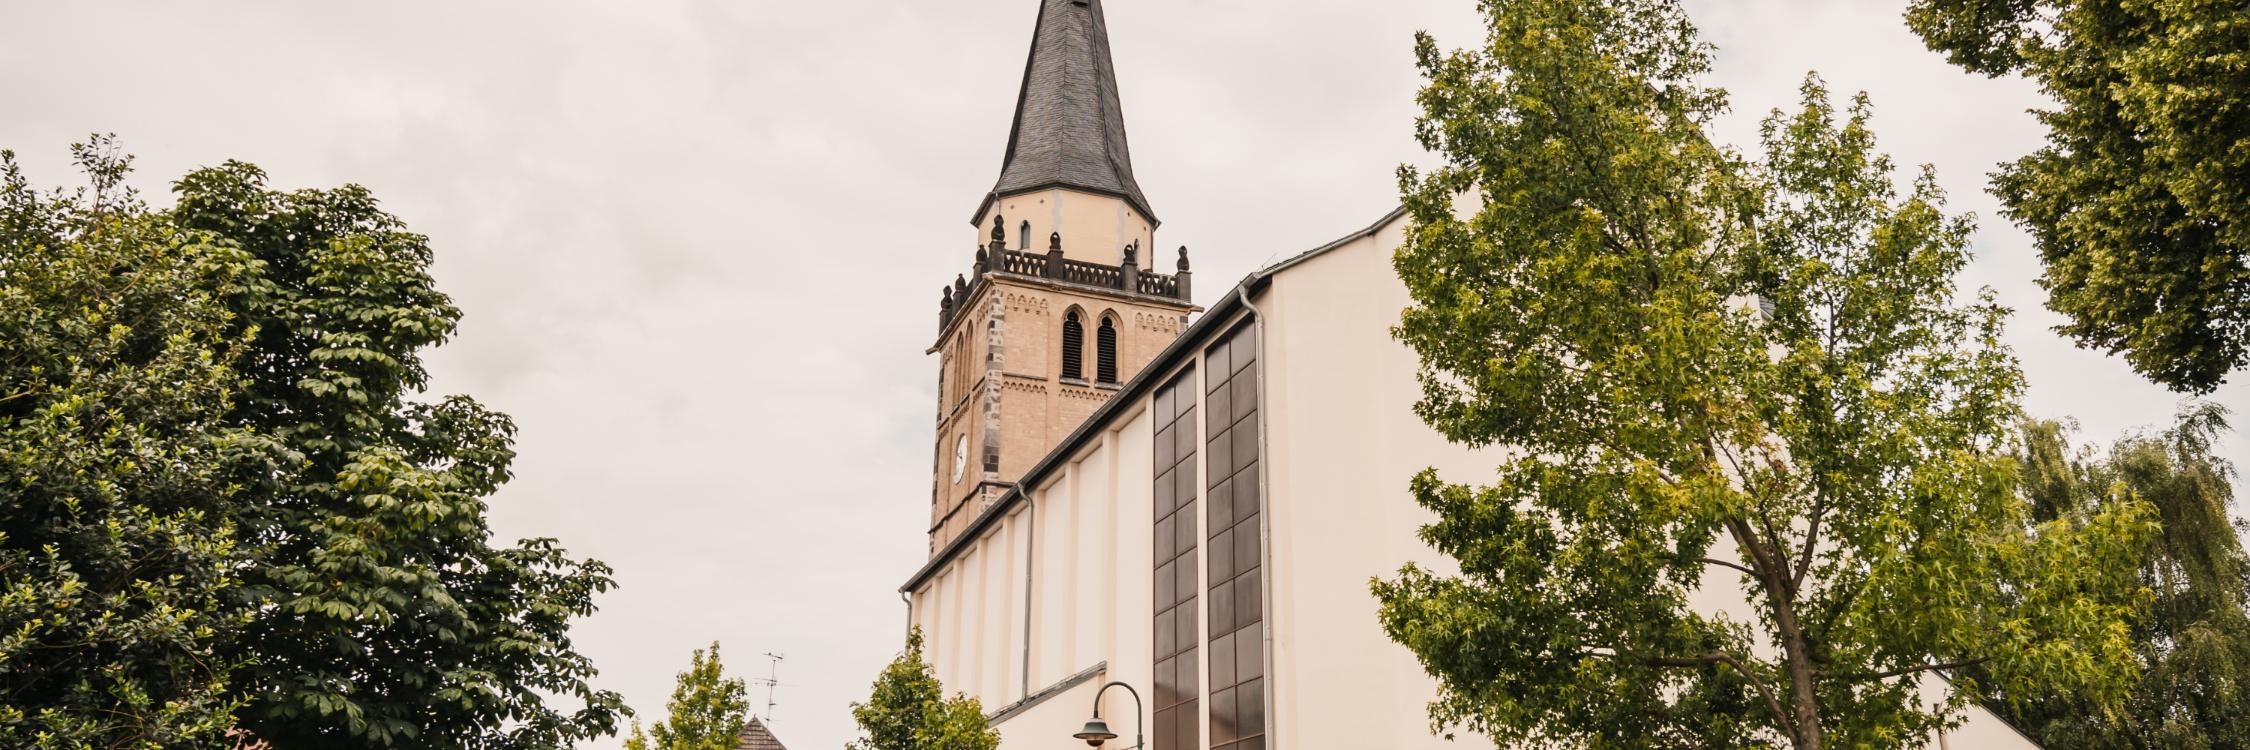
(384, 615)
(2193, 643)
(117, 469)
(224, 516)
(2140, 201)
(708, 710)
(908, 710)
(1760, 489)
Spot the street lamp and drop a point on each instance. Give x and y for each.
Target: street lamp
(1097, 731)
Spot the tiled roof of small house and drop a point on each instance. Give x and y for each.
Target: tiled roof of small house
(757, 737)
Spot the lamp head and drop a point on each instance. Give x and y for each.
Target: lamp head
(1096, 732)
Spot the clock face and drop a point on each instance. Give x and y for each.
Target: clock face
(960, 457)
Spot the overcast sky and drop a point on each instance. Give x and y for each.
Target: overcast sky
(699, 244)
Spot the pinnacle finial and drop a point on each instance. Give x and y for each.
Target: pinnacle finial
(999, 231)
(1183, 258)
(982, 259)
(945, 297)
(1054, 242)
(960, 284)
(1132, 252)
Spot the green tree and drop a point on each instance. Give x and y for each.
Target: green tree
(2193, 644)
(384, 615)
(708, 710)
(908, 710)
(2140, 201)
(116, 556)
(1751, 381)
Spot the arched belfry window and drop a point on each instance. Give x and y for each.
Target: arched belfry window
(1073, 347)
(1105, 361)
(1023, 237)
(960, 371)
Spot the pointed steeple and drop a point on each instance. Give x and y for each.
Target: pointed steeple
(1069, 129)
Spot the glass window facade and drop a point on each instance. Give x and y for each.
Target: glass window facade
(1177, 677)
(1237, 645)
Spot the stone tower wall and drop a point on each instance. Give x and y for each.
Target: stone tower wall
(1000, 356)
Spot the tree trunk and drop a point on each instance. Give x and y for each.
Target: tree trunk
(1803, 725)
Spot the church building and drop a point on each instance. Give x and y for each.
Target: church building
(1130, 488)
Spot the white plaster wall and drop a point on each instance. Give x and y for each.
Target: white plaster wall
(1059, 550)
(1051, 724)
(1979, 729)
(1125, 632)
(1342, 442)
(1084, 534)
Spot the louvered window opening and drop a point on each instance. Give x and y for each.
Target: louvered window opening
(1073, 347)
(1105, 359)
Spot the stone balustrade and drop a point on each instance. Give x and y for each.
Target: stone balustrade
(1126, 276)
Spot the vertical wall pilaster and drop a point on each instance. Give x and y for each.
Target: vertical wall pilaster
(995, 360)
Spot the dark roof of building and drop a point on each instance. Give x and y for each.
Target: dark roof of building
(1069, 129)
(757, 737)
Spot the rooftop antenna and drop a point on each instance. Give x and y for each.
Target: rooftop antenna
(771, 680)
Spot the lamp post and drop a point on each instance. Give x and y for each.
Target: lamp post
(1097, 731)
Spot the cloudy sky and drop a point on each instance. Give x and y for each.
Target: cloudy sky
(699, 243)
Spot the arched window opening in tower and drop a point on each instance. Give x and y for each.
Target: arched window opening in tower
(1023, 237)
(1073, 347)
(1105, 362)
(960, 385)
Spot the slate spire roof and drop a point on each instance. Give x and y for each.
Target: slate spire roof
(1069, 129)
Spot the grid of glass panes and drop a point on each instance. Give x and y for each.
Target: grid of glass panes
(1177, 677)
(1230, 461)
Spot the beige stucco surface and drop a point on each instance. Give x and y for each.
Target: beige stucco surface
(1342, 441)
(1088, 560)
(1095, 228)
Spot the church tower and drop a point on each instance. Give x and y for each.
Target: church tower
(1063, 302)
